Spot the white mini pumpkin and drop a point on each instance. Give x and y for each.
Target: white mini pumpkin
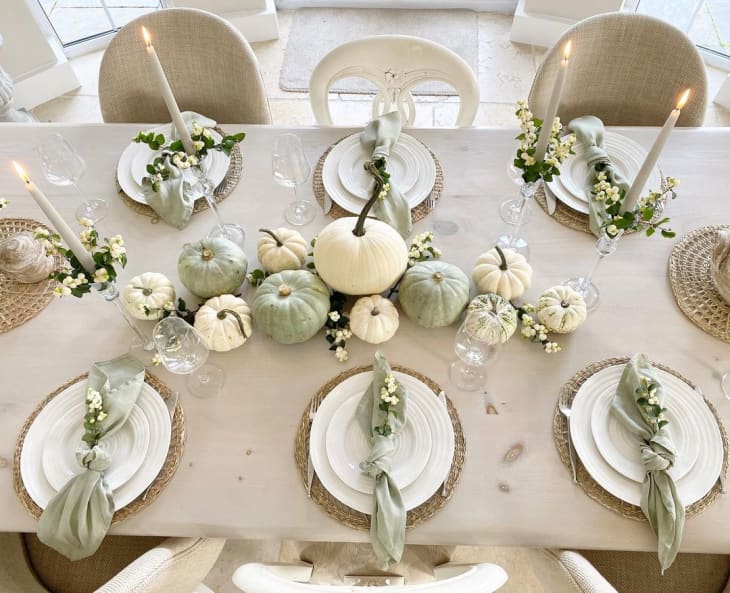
(561, 309)
(478, 316)
(147, 294)
(281, 249)
(502, 271)
(374, 319)
(224, 322)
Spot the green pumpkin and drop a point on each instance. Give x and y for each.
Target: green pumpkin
(291, 306)
(478, 318)
(212, 267)
(434, 293)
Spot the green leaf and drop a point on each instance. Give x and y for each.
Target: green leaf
(668, 233)
(177, 146)
(650, 231)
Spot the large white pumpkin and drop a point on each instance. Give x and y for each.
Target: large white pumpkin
(281, 249)
(224, 322)
(561, 309)
(374, 319)
(502, 271)
(146, 295)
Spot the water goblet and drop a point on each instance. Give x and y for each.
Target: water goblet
(290, 168)
(478, 342)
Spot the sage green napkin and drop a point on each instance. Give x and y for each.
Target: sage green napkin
(589, 132)
(378, 138)
(388, 520)
(76, 520)
(638, 400)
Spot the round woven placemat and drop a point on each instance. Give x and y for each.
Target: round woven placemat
(21, 302)
(585, 481)
(417, 213)
(230, 181)
(174, 454)
(348, 516)
(692, 285)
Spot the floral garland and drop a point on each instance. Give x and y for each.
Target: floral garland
(388, 398)
(535, 332)
(94, 417)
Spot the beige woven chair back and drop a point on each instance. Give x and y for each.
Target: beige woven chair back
(628, 69)
(211, 68)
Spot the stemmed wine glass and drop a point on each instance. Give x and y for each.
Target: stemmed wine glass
(182, 351)
(584, 285)
(477, 343)
(63, 165)
(291, 168)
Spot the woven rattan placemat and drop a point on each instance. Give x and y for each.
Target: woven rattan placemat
(174, 454)
(692, 285)
(417, 213)
(341, 512)
(21, 302)
(230, 181)
(585, 481)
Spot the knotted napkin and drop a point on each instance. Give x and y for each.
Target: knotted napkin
(176, 197)
(76, 520)
(378, 138)
(388, 520)
(639, 392)
(589, 132)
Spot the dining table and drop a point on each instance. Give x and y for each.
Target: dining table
(238, 477)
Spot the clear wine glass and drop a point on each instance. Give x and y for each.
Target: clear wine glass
(725, 384)
(182, 351)
(516, 213)
(290, 168)
(63, 165)
(478, 342)
(584, 285)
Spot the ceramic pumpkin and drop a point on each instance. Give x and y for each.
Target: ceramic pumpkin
(502, 271)
(281, 249)
(479, 323)
(291, 306)
(147, 294)
(374, 319)
(561, 309)
(224, 322)
(212, 267)
(433, 293)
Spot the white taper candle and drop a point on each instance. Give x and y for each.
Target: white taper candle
(552, 109)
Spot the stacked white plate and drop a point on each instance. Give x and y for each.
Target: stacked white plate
(138, 449)
(346, 181)
(612, 455)
(424, 448)
(132, 166)
(571, 186)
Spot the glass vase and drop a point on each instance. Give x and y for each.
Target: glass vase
(584, 285)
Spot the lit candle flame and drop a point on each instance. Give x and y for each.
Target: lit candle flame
(146, 35)
(566, 49)
(683, 99)
(21, 172)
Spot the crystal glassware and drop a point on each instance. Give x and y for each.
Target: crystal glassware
(475, 350)
(63, 165)
(515, 213)
(725, 384)
(584, 285)
(290, 168)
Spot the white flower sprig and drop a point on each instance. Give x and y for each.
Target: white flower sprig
(94, 417)
(338, 327)
(648, 400)
(4, 203)
(388, 398)
(421, 249)
(535, 332)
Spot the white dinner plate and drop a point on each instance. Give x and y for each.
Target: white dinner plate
(347, 445)
(31, 466)
(699, 479)
(442, 437)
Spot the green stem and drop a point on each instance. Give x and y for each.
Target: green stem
(359, 229)
(222, 315)
(279, 242)
(503, 262)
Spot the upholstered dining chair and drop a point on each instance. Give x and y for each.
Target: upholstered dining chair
(121, 565)
(211, 68)
(395, 64)
(627, 69)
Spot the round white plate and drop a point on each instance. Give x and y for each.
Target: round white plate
(31, 467)
(621, 449)
(127, 446)
(700, 478)
(402, 165)
(442, 438)
(347, 445)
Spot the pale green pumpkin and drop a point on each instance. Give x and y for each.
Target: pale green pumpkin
(212, 267)
(479, 320)
(434, 293)
(291, 306)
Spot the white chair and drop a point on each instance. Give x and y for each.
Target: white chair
(260, 578)
(395, 64)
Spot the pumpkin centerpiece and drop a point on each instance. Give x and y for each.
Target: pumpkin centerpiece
(146, 295)
(212, 267)
(502, 271)
(374, 319)
(561, 309)
(291, 306)
(434, 293)
(224, 322)
(491, 318)
(281, 249)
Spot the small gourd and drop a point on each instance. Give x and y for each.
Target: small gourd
(146, 295)
(434, 293)
(561, 309)
(291, 306)
(224, 322)
(374, 319)
(479, 321)
(24, 259)
(281, 249)
(720, 264)
(502, 271)
(212, 267)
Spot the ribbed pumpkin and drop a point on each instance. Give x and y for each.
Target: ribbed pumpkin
(291, 306)
(224, 322)
(212, 267)
(479, 326)
(434, 293)
(502, 271)
(374, 319)
(146, 295)
(281, 249)
(561, 309)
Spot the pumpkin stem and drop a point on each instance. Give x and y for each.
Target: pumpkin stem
(359, 229)
(284, 290)
(222, 315)
(564, 305)
(206, 254)
(145, 291)
(503, 262)
(438, 276)
(279, 242)
(375, 311)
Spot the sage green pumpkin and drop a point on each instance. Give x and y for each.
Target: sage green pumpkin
(212, 267)
(291, 306)
(434, 293)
